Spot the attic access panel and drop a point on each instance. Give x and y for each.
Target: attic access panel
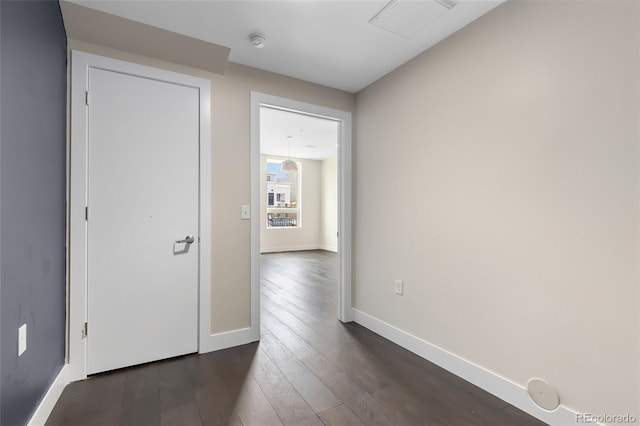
(408, 18)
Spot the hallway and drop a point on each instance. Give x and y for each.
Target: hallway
(308, 369)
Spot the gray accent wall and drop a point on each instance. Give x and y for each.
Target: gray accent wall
(32, 202)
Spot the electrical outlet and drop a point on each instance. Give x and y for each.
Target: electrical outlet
(22, 339)
(399, 287)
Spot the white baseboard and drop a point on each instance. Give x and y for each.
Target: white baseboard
(327, 247)
(491, 382)
(45, 407)
(229, 339)
(289, 248)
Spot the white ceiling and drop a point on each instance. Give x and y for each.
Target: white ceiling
(329, 42)
(311, 137)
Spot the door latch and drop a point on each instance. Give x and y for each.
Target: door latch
(188, 240)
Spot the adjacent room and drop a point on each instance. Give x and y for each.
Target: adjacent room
(299, 182)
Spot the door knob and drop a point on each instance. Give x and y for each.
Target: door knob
(188, 240)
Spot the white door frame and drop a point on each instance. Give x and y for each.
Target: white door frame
(343, 118)
(81, 62)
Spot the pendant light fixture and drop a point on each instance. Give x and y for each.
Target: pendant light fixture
(289, 165)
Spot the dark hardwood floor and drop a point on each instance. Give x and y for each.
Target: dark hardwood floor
(308, 369)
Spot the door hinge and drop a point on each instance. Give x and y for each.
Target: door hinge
(86, 213)
(85, 330)
(86, 97)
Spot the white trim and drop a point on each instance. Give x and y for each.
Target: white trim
(290, 248)
(227, 339)
(345, 313)
(206, 166)
(331, 248)
(256, 211)
(77, 226)
(491, 382)
(44, 409)
(81, 62)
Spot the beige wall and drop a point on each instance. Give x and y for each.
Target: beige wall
(510, 151)
(329, 201)
(306, 237)
(231, 130)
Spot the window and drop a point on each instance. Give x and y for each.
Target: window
(283, 196)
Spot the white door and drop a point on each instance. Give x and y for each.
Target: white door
(142, 191)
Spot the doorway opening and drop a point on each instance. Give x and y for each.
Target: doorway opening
(300, 188)
(299, 182)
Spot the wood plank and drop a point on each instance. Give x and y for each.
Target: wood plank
(143, 409)
(354, 361)
(289, 338)
(181, 416)
(284, 399)
(405, 406)
(175, 379)
(339, 416)
(314, 392)
(104, 406)
(253, 406)
(353, 396)
(215, 404)
(71, 404)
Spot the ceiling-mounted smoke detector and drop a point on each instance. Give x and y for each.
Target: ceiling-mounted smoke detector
(257, 40)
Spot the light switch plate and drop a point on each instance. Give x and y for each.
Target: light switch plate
(246, 212)
(22, 339)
